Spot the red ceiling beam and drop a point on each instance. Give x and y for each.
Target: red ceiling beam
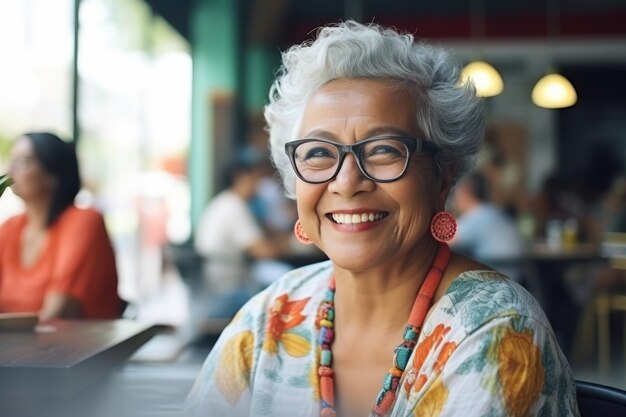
(522, 25)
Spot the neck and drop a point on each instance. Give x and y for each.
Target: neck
(372, 340)
(382, 296)
(242, 192)
(37, 214)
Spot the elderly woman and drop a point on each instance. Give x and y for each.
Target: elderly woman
(370, 131)
(56, 260)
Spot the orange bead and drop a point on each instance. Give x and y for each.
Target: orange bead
(387, 402)
(325, 371)
(327, 389)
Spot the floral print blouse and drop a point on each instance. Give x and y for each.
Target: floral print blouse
(486, 349)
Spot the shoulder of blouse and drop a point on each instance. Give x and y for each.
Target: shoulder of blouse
(481, 296)
(81, 213)
(12, 223)
(83, 220)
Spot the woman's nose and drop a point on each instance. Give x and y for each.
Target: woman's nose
(350, 180)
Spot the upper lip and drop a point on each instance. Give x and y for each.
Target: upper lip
(355, 211)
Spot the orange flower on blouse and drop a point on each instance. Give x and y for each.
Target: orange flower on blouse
(284, 315)
(422, 351)
(521, 371)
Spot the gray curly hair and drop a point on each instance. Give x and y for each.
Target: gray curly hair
(449, 114)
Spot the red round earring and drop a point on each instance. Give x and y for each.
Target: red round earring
(443, 226)
(300, 234)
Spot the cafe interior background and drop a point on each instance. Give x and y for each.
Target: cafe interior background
(158, 94)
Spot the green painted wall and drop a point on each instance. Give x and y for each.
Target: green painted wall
(215, 43)
(261, 62)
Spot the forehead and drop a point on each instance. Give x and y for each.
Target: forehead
(359, 106)
(23, 147)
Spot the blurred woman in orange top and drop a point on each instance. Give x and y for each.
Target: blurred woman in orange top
(55, 259)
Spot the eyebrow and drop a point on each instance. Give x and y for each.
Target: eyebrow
(377, 131)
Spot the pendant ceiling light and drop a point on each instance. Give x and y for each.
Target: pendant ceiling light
(553, 91)
(485, 77)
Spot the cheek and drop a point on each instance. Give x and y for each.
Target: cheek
(23, 179)
(416, 212)
(33, 182)
(418, 203)
(307, 199)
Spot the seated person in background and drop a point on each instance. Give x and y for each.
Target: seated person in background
(370, 130)
(228, 237)
(55, 259)
(485, 232)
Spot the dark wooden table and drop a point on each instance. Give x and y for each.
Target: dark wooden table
(62, 357)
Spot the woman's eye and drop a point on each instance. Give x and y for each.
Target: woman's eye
(318, 153)
(385, 150)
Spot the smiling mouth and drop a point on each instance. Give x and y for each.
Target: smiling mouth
(347, 218)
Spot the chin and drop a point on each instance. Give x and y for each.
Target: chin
(354, 261)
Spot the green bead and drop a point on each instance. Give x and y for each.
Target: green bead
(409, 334)
(330, 314)
(401, 358)
(387, 382)
(326, 357)
(380, 396)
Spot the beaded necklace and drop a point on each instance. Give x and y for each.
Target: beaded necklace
(387, 395)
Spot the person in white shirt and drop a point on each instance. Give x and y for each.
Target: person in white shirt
(229, 238)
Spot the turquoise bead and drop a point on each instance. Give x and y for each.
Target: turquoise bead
(401, 358)
(409, 334)
(330, 314)
(387, 382)
(381, 395)
(326, 357)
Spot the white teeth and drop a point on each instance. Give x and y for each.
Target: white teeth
(343, 218)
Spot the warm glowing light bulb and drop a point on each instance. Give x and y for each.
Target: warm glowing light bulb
(554, 91)
(486, 78)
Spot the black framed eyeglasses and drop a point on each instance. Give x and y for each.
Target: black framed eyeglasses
(380, 159)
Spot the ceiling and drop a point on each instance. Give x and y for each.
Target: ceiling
(284, 22)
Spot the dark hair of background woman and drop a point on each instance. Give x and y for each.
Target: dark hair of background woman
(58, 158)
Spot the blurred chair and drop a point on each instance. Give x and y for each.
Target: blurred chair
(187, 261)
(600, 400)
(602, 305)
(614, 248)
(605, 304)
